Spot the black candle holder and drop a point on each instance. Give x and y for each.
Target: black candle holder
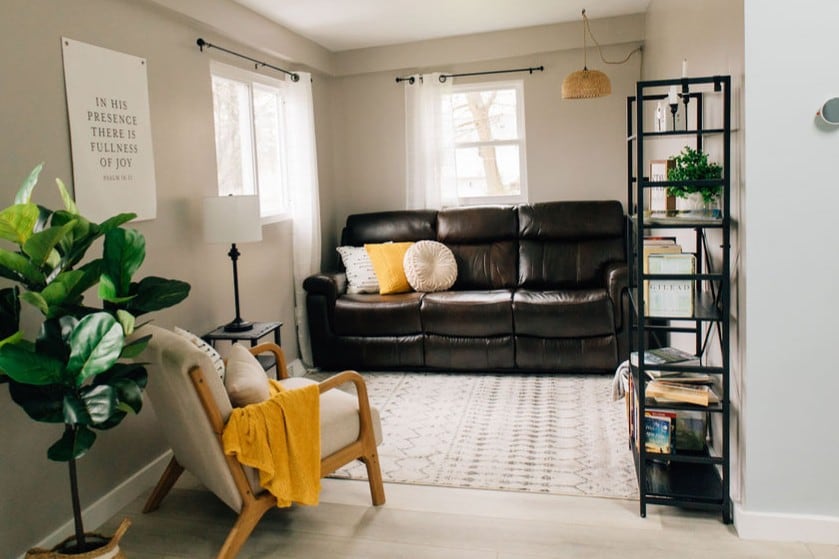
(685, 95)
(674, 107)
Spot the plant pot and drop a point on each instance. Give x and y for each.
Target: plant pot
(109, 548)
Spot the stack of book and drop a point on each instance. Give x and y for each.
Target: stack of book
(675, 386)
(662, 255)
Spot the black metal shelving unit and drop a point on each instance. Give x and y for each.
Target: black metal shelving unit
(696, 479)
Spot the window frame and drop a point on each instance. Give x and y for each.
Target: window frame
(247, 77)
(522, 197)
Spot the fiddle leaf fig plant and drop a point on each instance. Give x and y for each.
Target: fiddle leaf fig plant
(73, 372)
(692, 165)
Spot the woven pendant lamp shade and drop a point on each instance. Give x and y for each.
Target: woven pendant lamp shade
(586, 84)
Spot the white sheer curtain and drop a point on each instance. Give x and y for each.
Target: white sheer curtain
(429, 144)
(304, 199)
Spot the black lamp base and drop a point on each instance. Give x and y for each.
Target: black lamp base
(238, 325)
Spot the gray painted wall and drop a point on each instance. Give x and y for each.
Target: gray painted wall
(34, 492)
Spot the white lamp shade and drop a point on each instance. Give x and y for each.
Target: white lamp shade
(232, 219)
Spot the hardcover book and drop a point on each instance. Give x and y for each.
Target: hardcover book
(658, 431)
(671, 297)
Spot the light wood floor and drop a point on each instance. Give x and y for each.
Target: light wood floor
(433, 522)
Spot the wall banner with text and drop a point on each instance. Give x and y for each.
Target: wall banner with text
(110, 131)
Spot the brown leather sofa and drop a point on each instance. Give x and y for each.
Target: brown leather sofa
(540, 287)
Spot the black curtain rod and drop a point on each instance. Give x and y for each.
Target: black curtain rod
(444, 77)
(202, 43)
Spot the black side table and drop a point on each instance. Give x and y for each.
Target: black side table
(259, 330)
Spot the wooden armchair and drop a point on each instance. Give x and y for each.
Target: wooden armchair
(192, 407)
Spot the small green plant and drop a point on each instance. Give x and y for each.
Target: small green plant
(74, 372)
(692, 165)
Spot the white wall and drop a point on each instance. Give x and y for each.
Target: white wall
(576, 149)
(792, 450)
(34, 492)
(785, 386)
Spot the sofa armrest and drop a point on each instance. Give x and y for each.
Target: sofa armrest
(329, 284)
(615, 277)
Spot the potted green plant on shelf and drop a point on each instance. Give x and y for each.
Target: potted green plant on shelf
(73, 372)
(693, 165)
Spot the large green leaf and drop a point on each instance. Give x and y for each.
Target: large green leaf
(101, 402)
(69, 203)
(128, 380)
(19, 268)
(24, 193)
(115, 221)
(154, 293)
(41, 245)
(26, 366)
(108, 291)
(41, 403)
(67, 288)
(125, 250)
(53, 335)
(9, 311)
(74, 409)
(17, 223)
(95, 345)
(36, 300)
(135, 348)
(73, 444)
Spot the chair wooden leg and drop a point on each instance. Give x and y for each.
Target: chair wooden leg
(374, 476)
(252, 512)
(164, 485)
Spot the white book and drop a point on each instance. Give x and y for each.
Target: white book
(671, 297)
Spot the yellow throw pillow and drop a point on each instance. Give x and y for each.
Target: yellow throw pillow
(387, 263)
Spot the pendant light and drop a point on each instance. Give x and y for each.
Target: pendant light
(585, 83)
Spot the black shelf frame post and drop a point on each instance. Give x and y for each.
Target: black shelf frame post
(680, 478)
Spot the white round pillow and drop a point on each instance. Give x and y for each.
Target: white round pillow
(430, 266)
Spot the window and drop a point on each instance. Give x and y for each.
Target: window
(249, 111)
(489, 150)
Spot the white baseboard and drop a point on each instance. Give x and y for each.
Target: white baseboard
(112, 502)
(769, 526)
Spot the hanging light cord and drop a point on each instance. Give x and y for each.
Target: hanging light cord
(587, 28)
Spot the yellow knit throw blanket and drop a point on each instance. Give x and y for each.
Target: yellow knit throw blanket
(280, 437)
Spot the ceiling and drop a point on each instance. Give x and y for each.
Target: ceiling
(340, 25)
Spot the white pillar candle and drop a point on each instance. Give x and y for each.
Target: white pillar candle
(684, 67)
(672, 97)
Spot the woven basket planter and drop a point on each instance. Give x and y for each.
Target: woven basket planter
(109, 549)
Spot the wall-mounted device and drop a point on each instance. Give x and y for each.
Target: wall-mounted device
(829, 111)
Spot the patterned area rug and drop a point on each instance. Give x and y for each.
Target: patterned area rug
(559, 434)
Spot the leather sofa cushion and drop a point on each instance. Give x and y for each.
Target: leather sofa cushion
(377, 315)
(484, 243)
(571, 220)
(597, 354)
(381, 227)
(566, 264)
(467, 313)
(377, 352)
(563, 314)
(569, 244)
(471, 354)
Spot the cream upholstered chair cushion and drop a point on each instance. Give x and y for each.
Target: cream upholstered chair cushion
(430, 266)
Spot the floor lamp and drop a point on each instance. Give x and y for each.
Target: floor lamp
(233, 219)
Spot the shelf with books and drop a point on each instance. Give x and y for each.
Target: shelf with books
(705, 309)
(680, 287)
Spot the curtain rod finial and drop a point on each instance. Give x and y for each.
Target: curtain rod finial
(201, 43)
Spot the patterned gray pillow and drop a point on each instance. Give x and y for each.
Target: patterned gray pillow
(360, 273)
(211, 352)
